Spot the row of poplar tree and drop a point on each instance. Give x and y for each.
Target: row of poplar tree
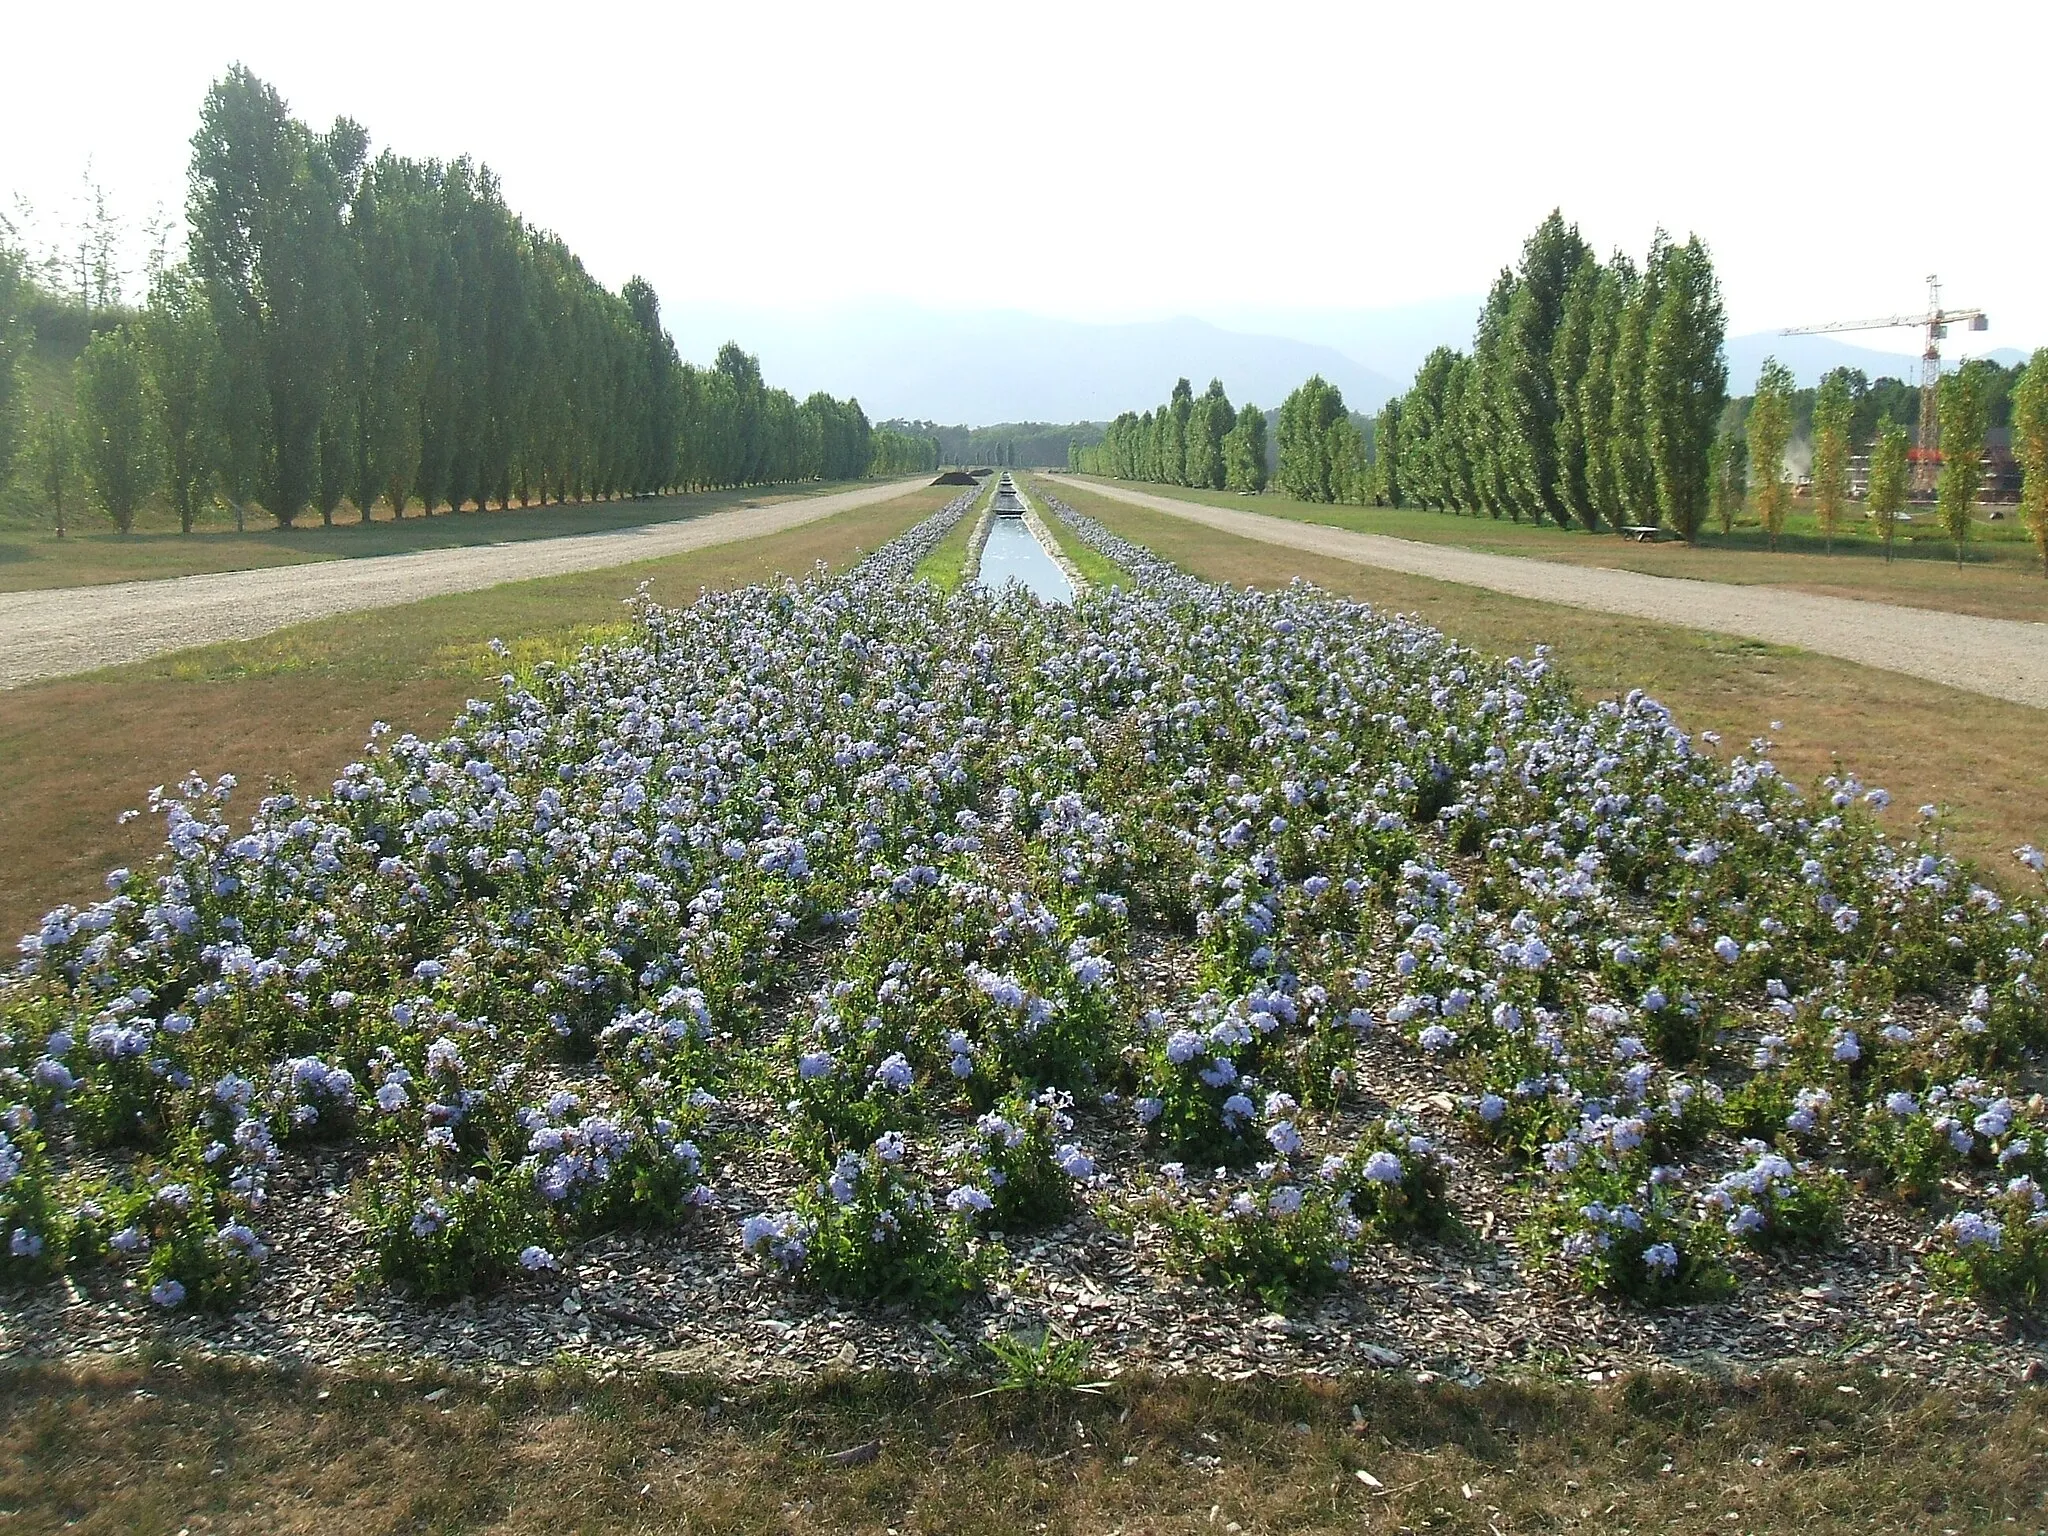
(350, 329)
(1190, 440)
(1591, 396)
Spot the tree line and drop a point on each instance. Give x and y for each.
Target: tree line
(1590, 397)
(1190, 440)
(1847, 412)
(350, 329)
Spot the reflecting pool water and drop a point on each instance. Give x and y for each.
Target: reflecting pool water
(1014, 554)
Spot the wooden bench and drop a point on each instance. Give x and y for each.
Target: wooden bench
(1642, 533)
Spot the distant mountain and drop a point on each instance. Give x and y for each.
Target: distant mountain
(983, 366)
(1392, 342)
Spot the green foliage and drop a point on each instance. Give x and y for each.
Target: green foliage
(1590, 398)
(180, 351)
(1386, 487)
(1889, 469)
(1244, 451)
(15, 335)
(1730, 473)
(1040, 1364)
(1833, 409)
(1684, 383)
(1303, 432)
(53, 448)
(1394, 1179)
(2030, 447)
(1768, 430)
(1628, 447)
(1279, 1239)
(114, 425)
(876, 1234)
(1014, 1157)
(1611, 294)
(1999, 1252)
(1964, 417)
(440, 1237)
(1624, 1235)
(1571, 352)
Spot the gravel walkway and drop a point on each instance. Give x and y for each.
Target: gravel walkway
(56, 633)
(2002, 658)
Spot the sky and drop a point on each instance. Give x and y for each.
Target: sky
(1115, 161)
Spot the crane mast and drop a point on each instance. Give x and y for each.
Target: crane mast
(1935, 323)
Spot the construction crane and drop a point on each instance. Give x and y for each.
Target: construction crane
(1926, 453)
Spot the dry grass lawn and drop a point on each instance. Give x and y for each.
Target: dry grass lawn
(2003, 579)
(1981, 759)
(92, 553)
(197, 1447)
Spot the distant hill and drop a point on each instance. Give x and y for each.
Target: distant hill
(984, 366)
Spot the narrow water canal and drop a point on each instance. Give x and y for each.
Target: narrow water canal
(1013, 554)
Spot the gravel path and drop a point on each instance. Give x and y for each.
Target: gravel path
(56, 633)
(2002, 658)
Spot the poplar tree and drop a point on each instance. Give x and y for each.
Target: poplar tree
(1209, 423)
(1571, 356)
(1963, 417)
(1551, 259)
(1486, 425)
(1386, 455)
(1173, 441)
(1303, 431)
(1685, 383)
(265, 209)
(2030, 447)
(1769, 426)
(1344, 451)
(1889, 466)
(1628, 445)
(1245, 451)
(1833, 407)
(1612, 296)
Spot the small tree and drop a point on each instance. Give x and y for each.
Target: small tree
(1962, 416)
(1731, 474)
(1833, 407)
(1888, 470)
(56, 461)
(1770, 424)
(114, 425)
(180, 353)
(2030, 447)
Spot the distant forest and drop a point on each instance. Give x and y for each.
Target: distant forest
(1011, 444)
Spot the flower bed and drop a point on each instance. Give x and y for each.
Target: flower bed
(840, 940)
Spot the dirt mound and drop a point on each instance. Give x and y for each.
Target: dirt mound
(955, 477)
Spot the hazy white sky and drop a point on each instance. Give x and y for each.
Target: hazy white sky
(1149, 158)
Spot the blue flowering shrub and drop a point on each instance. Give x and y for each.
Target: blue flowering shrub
(2000, 1250)
(1394, 1177)
(756, 892)
(34, 1228)
(1019, 1168)
(872, 1230)
(1280, 1236)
